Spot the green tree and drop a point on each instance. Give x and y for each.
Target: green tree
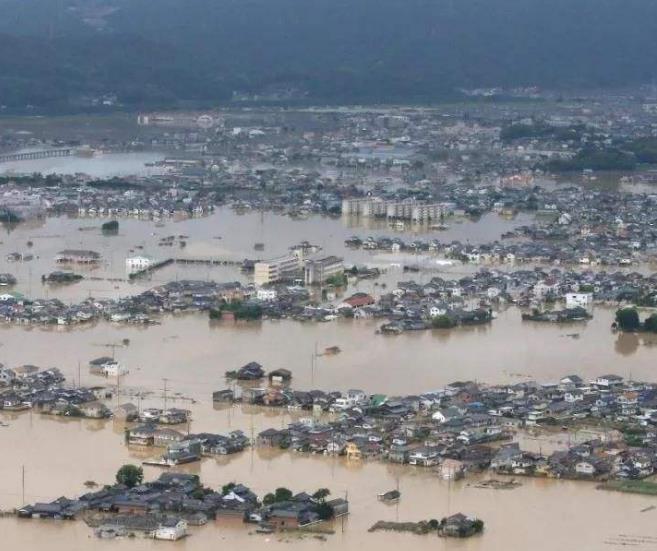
(337, 280)
(628, 319)
(282, 494)
(324, 511)
(321, 494)
(130, 475)
(442, 322)
(279, 495)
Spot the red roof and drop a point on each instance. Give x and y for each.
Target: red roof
(360, 299)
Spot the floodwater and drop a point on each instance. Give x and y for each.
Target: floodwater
(100, 166)
(193, 353)
(58, 456)
(225, 235)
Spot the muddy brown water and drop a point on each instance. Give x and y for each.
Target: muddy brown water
(193, 354)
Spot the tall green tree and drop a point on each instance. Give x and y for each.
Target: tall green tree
(628, 319)
(130, 475)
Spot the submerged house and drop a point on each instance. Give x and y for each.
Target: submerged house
(77, 256)
(460, 526)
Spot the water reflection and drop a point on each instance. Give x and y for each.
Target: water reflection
(627, 344)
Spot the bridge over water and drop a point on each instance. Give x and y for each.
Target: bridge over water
(32, 155)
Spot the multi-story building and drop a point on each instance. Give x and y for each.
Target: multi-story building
(318, 271)
(138, 262)
(409, 209)
(270, 271)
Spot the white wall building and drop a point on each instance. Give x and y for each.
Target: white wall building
(171, 529)
(114, 369)
(270, 271)
(268, 295)
(582, 300)
(138, 262)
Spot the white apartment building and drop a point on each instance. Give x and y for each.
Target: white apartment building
(138, 262)
(375, 207)
(270, 271)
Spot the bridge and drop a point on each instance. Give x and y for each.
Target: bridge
(32, 155)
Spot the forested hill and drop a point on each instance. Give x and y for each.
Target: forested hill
(58, 53)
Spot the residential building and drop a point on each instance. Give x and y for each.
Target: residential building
(278, 269)
(319, 271)
(171, 529)
(138, 262)
(578, 300)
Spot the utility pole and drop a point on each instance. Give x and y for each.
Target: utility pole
(313, 364)
(118, 388)
(312, 369)
(165, 392)
(23, 483)
(252, 443)
(79, 375)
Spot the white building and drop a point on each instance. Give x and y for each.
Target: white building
(171, 529)
(138, 262)
(408, 209)
(437, 310)
(114, 369)
(608, 380)
(268, 295)
(270, 271)
(582, 300)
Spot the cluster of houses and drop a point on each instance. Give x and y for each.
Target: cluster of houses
(409, 306)
(572, 226)
(172, 297)
(458, 429)
(28, 387)
(117, 198)
(166, 507)
(470, 299)
(185, 448)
